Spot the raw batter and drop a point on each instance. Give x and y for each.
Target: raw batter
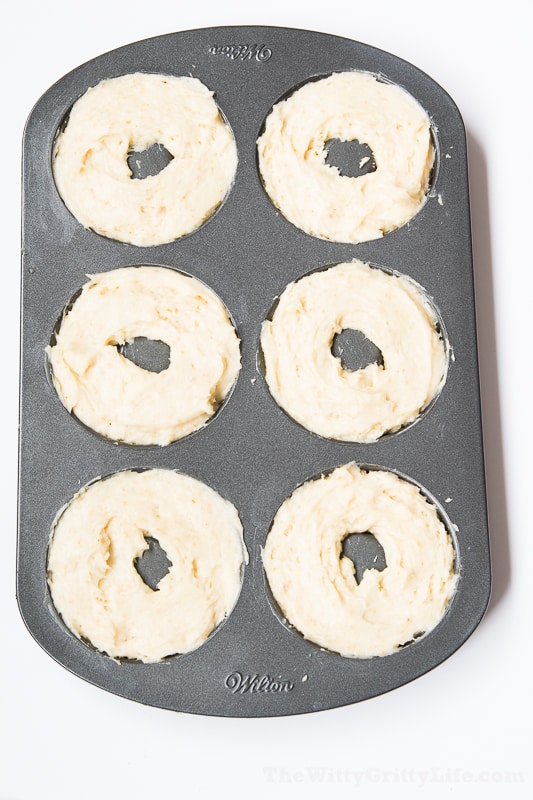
(315, 196)
(314, 585)
(120, 400)
(131, 113)
(97, 538)
(309, 382)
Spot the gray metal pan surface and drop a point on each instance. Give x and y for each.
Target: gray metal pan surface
(252, 453)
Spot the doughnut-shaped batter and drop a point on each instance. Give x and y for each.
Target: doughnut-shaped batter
(316, 197)
(315, 586)
(131, 113)
(309, 382)
(99, 535)
(122, 401)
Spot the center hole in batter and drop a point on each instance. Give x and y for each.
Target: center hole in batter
(354, 350)
(365, 552)
(151, 161)
(353, 159)
(153, 564)
(152, 355)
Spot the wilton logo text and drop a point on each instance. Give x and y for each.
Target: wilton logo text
(242, 52)
(256, 684)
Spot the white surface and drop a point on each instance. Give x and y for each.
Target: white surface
(461, 730)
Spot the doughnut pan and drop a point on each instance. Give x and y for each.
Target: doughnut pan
(252, 453)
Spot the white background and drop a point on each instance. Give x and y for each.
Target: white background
(461, 730)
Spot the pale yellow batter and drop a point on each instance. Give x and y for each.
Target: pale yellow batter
(315, 586)
(133, 112)
(315, 196)
(120, 400)
(309, 382)
(97, 538)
